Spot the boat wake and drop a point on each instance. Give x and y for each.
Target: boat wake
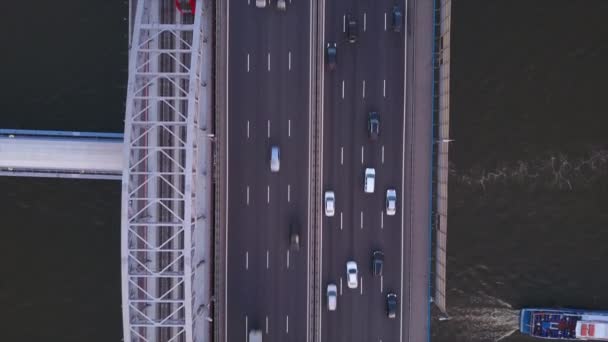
(483, 318)
(556, 170)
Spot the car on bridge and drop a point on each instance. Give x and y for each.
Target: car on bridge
(352, 31)
(369, 180)
(397, 18)
(330, 203)
(391, 305)
(275, 159)
(332, 297)
(377, 263)
(373, 125)
(351, 275)
(391, 202)
(332, 51)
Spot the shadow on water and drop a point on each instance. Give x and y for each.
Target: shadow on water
(529, 166)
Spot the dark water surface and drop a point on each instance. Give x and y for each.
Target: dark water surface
(528, 192)
(64, 68)
(528, 221)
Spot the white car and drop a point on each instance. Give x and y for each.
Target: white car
(391, 202)
(281, 5)
(369, 180)
(351, 275)
(332, 297)
(330, 203)
(260, 3)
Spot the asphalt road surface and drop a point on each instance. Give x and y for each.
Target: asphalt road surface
(268, 104)
(370, 76)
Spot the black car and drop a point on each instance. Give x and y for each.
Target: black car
(397, 19)
(332, 51)
(373, 125)
(377, 263)
(391, 305)
(294, 236)
(351, 29)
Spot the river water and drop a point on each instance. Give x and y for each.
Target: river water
(528, 222)
(528, 218)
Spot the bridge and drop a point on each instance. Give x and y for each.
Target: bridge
(195, 179)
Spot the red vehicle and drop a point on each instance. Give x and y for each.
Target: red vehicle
(185, 6)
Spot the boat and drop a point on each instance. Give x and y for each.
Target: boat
(564, 324)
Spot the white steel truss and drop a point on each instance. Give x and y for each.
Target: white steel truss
(159, 208)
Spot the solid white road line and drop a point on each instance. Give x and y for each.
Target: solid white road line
(382, 154)
(289, 63)
(227, 141)
(344, 23)
(361, 155)
(288, 258)
(287, 324)
(247, 194)
(381, 283)
(403, 183)
(289, 128)
(382, 219)
(246, 260)
(288, 193)
(269, 61)
(364, 21)
(342, 88)
(340, 220)
(246, 328)
(362, 285)
(363, 88)
(268, 194)
(247, 62)
(384, 21)
(341, 155)
(384, 88)
(340, 286)
(247, 129)
(266, 325)
(268, 126)
(267, 259)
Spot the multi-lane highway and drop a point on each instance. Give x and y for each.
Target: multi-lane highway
(272, 80)
(369, 76)
(268, 105)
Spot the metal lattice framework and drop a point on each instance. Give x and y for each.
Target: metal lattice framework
(159, 210)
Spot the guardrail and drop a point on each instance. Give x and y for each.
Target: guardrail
(441, 147)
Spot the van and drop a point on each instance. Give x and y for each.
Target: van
(370, 180)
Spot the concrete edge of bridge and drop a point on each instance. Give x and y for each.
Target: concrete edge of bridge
(220, 153)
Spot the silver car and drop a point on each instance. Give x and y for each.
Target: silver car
(275, 159)
(332, 297)
(330, 203)
(391, 202)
